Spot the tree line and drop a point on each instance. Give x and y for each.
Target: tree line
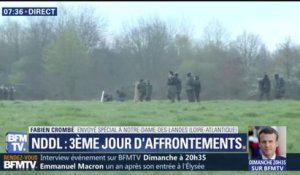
(74, 57)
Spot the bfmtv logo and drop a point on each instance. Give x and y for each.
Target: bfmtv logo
(16, 142)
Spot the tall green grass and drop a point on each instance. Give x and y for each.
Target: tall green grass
(18, 115)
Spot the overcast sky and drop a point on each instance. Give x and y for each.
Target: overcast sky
(272, 21)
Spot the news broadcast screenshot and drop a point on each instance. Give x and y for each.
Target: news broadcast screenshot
(112, 87)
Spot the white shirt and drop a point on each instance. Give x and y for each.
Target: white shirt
(265, 158)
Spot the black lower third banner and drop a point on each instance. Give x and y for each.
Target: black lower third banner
(124, 162)
(132, 162)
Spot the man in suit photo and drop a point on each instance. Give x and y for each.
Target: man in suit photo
(268, 142)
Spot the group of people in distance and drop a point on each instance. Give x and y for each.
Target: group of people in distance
(265, 87)
(192, 87)
(7, 93)
(143, 90)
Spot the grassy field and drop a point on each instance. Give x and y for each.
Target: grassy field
(18, 115)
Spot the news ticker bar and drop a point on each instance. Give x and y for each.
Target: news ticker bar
(133, 143)
(134, 162)
(29, 11)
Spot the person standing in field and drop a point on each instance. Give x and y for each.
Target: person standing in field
(189, 88)
(141, 87)
(178, 86)
(171, 86)
(279, 87)
(197, 88)
(265, 86)
(148, 91)
(12, 91)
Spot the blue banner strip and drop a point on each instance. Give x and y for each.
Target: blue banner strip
(29, 11)
(138, 143)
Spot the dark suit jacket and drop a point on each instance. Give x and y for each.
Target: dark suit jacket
(276, 158)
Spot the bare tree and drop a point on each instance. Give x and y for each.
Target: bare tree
(148, 41)
(10, 47)
(215, 34)
(92, 27)
(248, 45)
(285, 56)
